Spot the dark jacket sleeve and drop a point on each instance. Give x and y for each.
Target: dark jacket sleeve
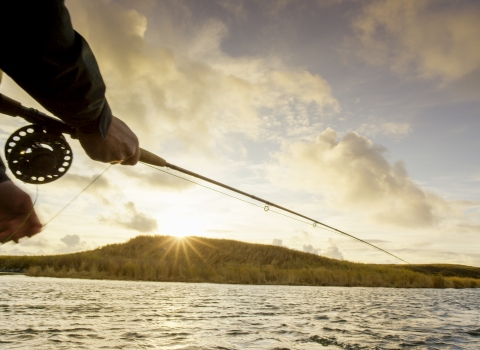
(44, 55)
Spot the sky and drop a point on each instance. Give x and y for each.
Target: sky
(363, 115)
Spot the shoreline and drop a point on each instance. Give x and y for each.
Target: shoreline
(89, 278)
(220, 261)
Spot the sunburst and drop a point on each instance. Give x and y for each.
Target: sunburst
(185, 245)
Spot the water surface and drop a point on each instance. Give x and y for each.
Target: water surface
(49, 313)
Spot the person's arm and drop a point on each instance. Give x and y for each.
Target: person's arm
(44, 55)
(55, 65)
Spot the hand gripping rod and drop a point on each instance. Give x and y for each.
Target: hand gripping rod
(15, 108)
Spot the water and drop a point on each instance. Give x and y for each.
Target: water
(48, 313)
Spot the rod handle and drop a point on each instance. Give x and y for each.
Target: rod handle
(10, 107)
(152, 159)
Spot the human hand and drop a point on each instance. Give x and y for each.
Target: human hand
(120, 145)
(15, 206)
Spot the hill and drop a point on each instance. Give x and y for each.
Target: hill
(194, 259)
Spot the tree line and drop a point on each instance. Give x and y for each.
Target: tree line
(195, 259)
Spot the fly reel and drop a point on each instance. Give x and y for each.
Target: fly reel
(37, 155)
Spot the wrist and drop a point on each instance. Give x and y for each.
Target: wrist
(99, 125)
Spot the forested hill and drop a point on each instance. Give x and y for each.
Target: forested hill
(194, 259)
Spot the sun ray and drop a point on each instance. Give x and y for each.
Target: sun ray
(172, 245)
(196, 252)
(182, 243)
(198, 240)
(177, 248)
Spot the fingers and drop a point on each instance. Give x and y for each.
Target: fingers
(17, 217)
(132, 160)
(120, 146)
(19, 228)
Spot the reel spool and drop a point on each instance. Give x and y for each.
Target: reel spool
(36, 155)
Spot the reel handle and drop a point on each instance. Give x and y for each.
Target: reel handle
(152, 159)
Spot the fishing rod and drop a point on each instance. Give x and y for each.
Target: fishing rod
(39, 153)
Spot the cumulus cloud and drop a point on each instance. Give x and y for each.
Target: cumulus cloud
(71, 244)
(176, 82)
(353, 174)
(132, 219)
(434, 39)
(71, 241)
(332, 251)
(309, 249)
(277, 242)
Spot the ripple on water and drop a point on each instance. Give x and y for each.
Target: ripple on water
(45, 313)
(321, 317)
(475, 332)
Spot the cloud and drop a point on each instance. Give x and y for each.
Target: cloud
(309, 249)
(395, 130)
(164, 181)
(332, 251)
(235, 7)
(275, 7)
(278, 242)
(301, 237)
(15, 251)
(77, 180)
(35, 241)
(433, 39)
(71, 241)
(175, 82)
(71, 244)
(353, 174)
(377, 241)
(132, 219)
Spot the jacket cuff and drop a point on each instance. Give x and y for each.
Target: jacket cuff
(101, 124)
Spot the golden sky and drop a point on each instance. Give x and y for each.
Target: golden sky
(362, 115)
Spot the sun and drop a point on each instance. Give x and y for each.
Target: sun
(180, 226)
(179, 235)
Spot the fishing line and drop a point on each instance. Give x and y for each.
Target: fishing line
(323, 226)
(59, 212)
(22, 140)
(84, 189)
(240, 199)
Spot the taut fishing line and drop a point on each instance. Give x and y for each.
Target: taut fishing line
(237, 198)
(267, 208)
(60, 211)
(39, 153)
(315, 223)
(79, 193)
